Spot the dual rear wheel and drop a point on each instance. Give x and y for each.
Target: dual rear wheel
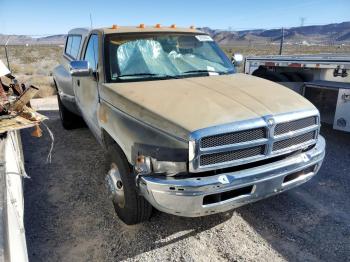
(69, 120)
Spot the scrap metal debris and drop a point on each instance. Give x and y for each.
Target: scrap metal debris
(15, 110)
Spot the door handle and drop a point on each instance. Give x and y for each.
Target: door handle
(78, 82)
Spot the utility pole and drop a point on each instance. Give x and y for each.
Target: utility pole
(6, 54)
(282, 39)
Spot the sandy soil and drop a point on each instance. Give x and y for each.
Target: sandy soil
(68, 216)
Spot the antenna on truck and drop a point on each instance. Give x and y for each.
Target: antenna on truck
(90, 21)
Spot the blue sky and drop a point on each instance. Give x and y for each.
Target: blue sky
(40, 17)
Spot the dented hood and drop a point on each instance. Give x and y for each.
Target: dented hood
(184, 105)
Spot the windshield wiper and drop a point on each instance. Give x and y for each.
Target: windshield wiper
(204, 71)
(151, 74)
(140, 74)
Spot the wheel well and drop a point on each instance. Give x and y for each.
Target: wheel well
(108, 140)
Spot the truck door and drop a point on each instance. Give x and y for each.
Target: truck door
(86, 87)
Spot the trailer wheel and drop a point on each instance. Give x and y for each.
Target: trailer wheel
(130, 207)
(293, 77)
(69, 120)
(269, 75)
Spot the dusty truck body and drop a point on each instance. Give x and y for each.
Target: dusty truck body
(323, 79)
(185, 133)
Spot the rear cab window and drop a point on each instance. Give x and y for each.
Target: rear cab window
(73, 46)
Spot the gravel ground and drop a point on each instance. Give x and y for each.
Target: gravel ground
(69, 218)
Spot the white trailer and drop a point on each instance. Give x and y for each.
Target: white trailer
(13, 245)
(323, 79)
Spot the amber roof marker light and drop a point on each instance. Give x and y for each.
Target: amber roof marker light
(114, 27)
(192, 27)
(141, 26)
(157, 26)
(173, 26)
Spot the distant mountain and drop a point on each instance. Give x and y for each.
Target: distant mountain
(23, 40)
(313, 34)
(337, 33)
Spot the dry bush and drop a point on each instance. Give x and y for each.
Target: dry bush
(34, 65)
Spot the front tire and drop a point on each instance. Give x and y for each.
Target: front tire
(130, 207)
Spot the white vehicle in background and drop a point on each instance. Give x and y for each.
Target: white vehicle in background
(323, 79)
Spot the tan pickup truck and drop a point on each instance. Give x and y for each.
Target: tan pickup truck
(185, 133)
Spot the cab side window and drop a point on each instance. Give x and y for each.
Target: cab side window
(91, 53)
(72, 46)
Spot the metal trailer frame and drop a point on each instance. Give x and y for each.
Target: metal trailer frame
(326, 61)
(330, 73)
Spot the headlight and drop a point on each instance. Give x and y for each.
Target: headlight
(147, 165)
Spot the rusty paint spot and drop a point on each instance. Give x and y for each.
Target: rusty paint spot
(102, 114)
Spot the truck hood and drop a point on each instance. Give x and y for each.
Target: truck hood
(180, 106)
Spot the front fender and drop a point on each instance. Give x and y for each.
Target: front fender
(138, 138)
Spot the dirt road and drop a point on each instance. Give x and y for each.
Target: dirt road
(69, 218)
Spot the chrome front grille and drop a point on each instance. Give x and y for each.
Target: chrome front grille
(286, 127)
(228, 156)
(233, 138)
(252, 140)
(294, 141)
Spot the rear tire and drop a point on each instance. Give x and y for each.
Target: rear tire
(132, 208)
(269, 75)
(69, 120)
(293, 77)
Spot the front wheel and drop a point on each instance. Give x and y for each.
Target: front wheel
(130, 207)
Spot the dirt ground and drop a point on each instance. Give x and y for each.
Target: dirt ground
(69, 218)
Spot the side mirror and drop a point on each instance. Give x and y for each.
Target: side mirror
(80, 68)
(237, 59)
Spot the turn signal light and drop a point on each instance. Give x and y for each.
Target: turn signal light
(140, 159)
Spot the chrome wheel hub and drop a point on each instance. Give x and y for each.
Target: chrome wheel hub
(115, 185)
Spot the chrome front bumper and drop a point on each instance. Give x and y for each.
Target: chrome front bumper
(193, 197)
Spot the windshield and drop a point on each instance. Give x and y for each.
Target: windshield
(154, 56)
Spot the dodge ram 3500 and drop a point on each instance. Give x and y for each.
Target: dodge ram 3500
(185, 133)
